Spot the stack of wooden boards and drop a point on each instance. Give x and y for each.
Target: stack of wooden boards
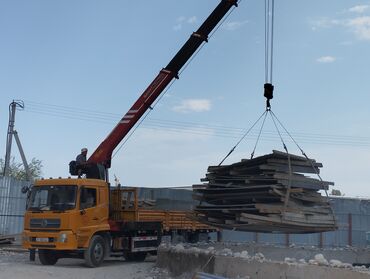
(7, 239)
(141, 203)
(146, 203)
(265, 194)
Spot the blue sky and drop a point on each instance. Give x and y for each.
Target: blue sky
(79, 66)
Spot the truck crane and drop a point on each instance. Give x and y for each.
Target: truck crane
(85, 217)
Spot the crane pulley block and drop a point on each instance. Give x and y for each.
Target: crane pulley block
(268, 92)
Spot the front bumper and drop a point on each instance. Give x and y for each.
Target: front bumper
(60, 240)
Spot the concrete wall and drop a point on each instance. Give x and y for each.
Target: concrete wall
(179, 262)
(271, 252)
(234, 267)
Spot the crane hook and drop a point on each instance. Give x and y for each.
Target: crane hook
(268, 93)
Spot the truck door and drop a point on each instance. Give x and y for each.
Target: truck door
(88, 207)
(93, 214)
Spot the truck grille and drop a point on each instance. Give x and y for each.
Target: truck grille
(44, 223)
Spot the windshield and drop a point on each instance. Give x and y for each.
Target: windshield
(53, 198)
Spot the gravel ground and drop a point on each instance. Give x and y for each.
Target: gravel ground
(16, 265)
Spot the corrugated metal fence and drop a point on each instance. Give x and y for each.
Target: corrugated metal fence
(167, 198)
(353, 220)
(12, 205)
(352, 215)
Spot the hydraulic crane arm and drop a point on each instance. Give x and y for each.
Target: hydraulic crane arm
(103, 154)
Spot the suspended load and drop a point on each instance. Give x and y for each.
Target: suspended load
(270, 193)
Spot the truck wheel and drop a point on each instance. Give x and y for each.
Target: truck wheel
(134, 257)
(94, 255)
(48, 257)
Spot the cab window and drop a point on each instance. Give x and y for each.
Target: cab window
(87, 198)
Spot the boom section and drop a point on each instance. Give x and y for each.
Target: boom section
(103, 154)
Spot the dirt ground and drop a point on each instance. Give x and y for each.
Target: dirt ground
(16, 265)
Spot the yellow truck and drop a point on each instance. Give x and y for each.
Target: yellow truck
(83, 217)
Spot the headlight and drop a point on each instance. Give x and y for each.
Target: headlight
(63, 237)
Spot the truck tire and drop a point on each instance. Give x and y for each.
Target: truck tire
(95, 253)
(48, 257)
(134, 257)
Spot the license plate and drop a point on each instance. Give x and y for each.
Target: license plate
(42, 239)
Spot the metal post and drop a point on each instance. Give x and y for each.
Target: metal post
(219, 236)
(256, 237)
(350, 229)
(25, 164)
(173, 236)
(321, 240)
(287, 239)
(9, 138)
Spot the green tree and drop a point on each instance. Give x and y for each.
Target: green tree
(17, 170)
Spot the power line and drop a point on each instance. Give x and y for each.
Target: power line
(195, 128)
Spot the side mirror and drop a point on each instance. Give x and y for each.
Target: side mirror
(26, 188)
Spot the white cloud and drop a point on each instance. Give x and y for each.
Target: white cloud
(361, 27)
(233, 25)
(193, 105)
(177, 27)
(359, 8)
(192, 20)
(181, 20)
(325, 23)
(326, 59)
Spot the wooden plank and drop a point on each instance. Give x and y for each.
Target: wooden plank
(225, 206)
(279, 208)
(299, 177)
(285, 168)
(269, 228)
(279, 219)
(239, 189)
(292, 157)
(282, 162)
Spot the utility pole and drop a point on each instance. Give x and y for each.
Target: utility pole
(12, 109)
(20, 148)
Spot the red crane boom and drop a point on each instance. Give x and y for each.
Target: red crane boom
(103, 154)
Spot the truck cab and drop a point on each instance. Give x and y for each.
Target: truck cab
(63, 214)
(85, 218)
